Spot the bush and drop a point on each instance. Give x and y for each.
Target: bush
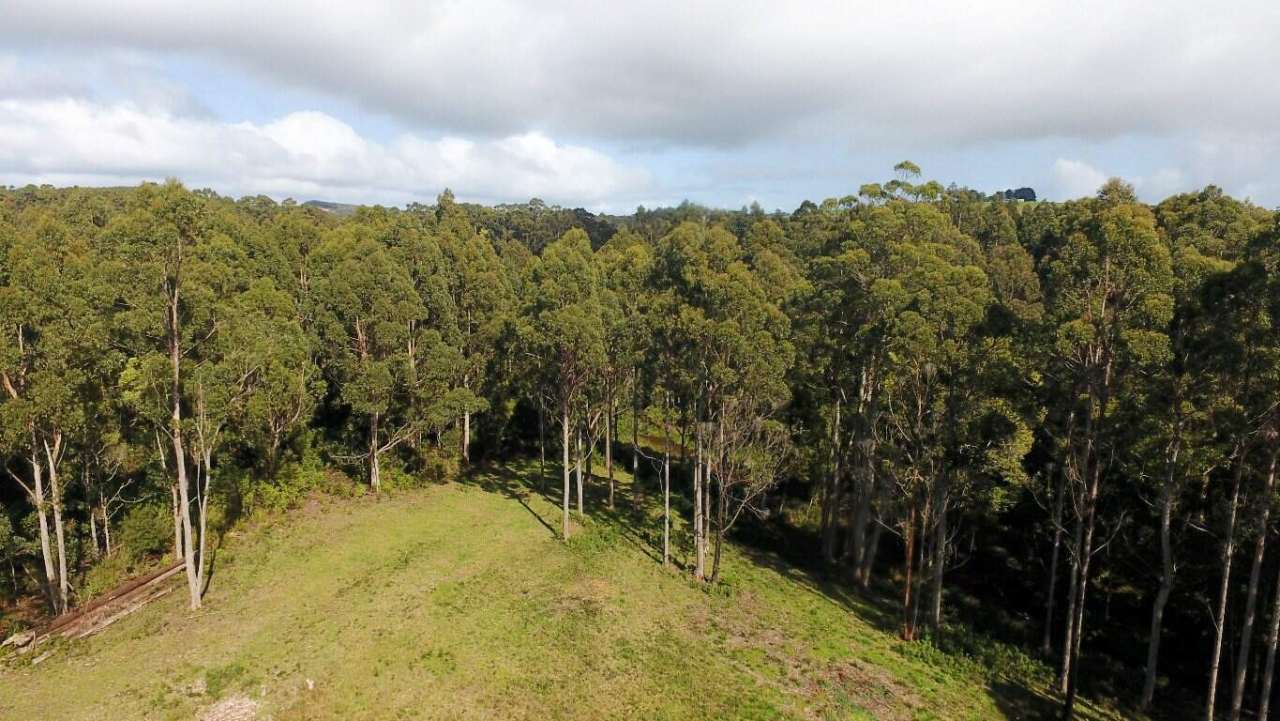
(105, 575)
(147, 529)
(293, 482)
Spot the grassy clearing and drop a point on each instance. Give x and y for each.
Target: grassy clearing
(458, 602)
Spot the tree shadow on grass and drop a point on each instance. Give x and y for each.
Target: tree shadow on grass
(792, 553)
(1018, 702)
(628, 516)
(506, 480)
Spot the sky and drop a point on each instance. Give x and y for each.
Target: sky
(610, 105)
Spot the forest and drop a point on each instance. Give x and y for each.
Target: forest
(1055, 423)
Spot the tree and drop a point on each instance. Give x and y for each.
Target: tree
(55, 368)
(482, 300)
(391, 366)
(173, 262)
(567, 333)
(1110, 298)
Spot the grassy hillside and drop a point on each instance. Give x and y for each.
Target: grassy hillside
(457, 602)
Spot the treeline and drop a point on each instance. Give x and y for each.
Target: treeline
(1071, 410)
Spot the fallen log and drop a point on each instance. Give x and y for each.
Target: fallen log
(103, 610)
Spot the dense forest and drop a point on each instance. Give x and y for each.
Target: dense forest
(1058, 423)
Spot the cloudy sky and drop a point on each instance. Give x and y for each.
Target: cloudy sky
(610, 105)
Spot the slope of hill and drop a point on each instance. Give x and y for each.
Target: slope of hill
(343, 209)
(458, 602)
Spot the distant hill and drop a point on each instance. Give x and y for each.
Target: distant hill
(331, 207)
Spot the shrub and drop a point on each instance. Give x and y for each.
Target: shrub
(105, 575)
(147, 529)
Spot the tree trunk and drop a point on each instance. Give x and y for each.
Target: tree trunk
(608, 449)
(1085, 557)
(635, 432)
(106, 526)
(55, 493)
(666, 507)
(831, 511)
(542, 446)
(1162, 595)
(722, 506)
(203, 501)
(94, 547)
(466, 437)
(1224, 588)
(1073, 599)
(179, 451)
(699, 549)
(578, 469)
(1268, 674)
(46, 551)
(939, 555)
(1251, 596)
(1046, 645)
(908, 557)
(177, 522)
(564, 496)
(722, 497)
(869, 556)
(375, 470)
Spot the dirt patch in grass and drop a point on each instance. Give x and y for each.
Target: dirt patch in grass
(234, 708)
(587, 596)
(874, 690)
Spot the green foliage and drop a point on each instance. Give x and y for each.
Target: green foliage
(930, 364)
(146, 529)
(112, 570)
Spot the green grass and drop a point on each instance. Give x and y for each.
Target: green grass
(458, 602)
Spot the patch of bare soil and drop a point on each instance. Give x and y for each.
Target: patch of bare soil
(873, 689)
(588, 596)
(233, 708)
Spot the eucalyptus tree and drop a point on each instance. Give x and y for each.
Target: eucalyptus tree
(366, 306)
(1110, 298)
(1207, 234)
(566, 332)
(481, 297)
(54, 364)
(840, 329)
(625, 263)
(271, 357)
(174, 262)
(1237, 341)
(1265, 255)
(938, 294)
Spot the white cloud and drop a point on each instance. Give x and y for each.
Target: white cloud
(303, 154)
(1076, 178)
(723, 73)
(721, 100)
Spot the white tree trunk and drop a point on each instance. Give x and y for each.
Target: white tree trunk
(666, 508)
(608, 449)
(1268, 674)
(180, 455)
(1161, 599)
(466, 437)
(1220, 614)
(375, 468)
(106, 527)
(578, 469)
(564, 497)
(46, 551)
(53, 455)
(699, 537)
(1251, 596)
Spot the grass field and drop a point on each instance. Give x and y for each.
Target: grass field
(459, 602)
